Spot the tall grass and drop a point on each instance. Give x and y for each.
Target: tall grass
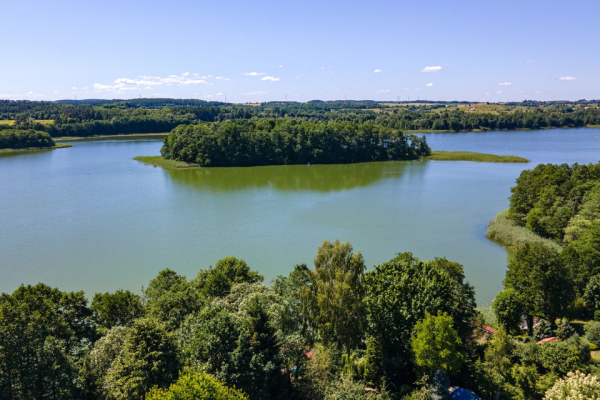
(505, 232)
(472, 156)
(159, 161)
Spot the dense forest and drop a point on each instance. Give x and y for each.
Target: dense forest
(562, 203)
(281, 141)
(406, 329)
(21, 139)
(109, 117)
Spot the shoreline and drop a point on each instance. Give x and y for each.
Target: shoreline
(27, 149)
(119, 136)
(506, 233)
(159, 161)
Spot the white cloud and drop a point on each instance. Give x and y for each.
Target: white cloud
(499, 91)
(56, 91)
(74, 88)
(254, 73)
(222, 79)
(280, 66)
(432, 68)
(269, 78)
(567, 78)
(323, 67)
(530, 61)
(219, 94)
(383, 91)
(377, 71)
(429, 85)
(146, 82)
(254, 93)
(505, 84)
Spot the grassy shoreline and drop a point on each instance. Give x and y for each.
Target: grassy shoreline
(159, 161)
(508, 234)
(119, 136)
(27, 149)
(472, 156)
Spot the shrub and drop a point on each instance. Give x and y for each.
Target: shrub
(542, 330)
(576, 385)
(593, 333)
(565, 330)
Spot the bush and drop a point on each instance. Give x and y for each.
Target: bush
(564, 330)
(597, 315)
(196, 385)
(576, 385)
(593, 333)
(542, 330)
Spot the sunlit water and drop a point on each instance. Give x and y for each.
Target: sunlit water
(91, 218)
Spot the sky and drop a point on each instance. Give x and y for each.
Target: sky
(256, 51)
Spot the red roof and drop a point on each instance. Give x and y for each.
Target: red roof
(548, 339)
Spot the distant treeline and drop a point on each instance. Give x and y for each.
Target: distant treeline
(107, 117)
(281, 141)
(21, 139)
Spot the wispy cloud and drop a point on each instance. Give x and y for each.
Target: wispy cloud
(280, 66)
(254, 73)
(435, 68)
(254, 93)
(429, 85)
(567, 78)
(269, 78)
(505, 84)
(499, 91)
(148, 82)
(223, 79)
(530, 61)
(377, 71)
(28, 95)
(383, 91)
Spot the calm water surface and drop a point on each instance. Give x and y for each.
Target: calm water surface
(90, 217)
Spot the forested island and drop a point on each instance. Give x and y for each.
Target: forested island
(109, 117)
(285, 142)
(19, 139)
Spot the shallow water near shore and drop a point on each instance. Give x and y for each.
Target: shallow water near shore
(91, 218)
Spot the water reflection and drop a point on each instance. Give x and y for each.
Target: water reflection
(317, 178)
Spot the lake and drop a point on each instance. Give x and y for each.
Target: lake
(91, 218)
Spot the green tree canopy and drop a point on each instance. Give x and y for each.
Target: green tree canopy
(196, 385)
(334, 299)
(116, 309)
(436, 345)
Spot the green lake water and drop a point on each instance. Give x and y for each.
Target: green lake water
(91, 218)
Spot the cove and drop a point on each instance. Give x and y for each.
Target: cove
(91, 218)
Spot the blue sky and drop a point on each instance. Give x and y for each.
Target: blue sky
(264, 50)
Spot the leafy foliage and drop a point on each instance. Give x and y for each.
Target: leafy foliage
(196, 385)
(21, 139)
(436, 345)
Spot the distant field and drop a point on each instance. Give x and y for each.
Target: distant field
(12, 122)
(472, 156)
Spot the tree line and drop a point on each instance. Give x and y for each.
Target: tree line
(108, 117)
(406, 329)
(21, 139)
(280, 141)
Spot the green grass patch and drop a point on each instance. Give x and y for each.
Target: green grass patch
(472, 156)
(507, 233)
(159, 161)
(29, 149)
